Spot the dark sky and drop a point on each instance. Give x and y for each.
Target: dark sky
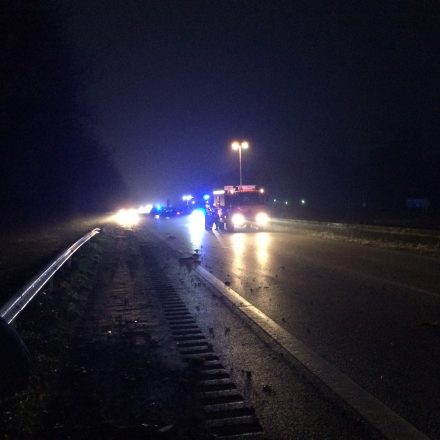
(171, 83)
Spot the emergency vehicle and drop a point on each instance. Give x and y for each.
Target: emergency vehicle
(239, 207)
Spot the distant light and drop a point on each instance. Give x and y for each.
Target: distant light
(286, 202)
(274, 200)
(145, 209)
(303, 201)
(193, 202)
(206, 197)
(262, 190)
(240, 145)
(127, 217)
(159, 206)
(218, 192)
(187, 197)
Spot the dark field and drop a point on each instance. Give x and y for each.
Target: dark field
(25, 252)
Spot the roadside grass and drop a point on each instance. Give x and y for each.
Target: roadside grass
(390, 242)
(421, 241)
(24, 253)
(46, 328)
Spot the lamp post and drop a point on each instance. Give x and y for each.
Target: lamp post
(239, 146)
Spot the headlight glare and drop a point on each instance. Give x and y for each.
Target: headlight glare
(127, 217)
(262, 219)
(238, 219)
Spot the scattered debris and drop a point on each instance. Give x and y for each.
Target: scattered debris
(267, 389)
(211, 332)
(189, 263)
(227, 283)
(165, 428)
(227, 331)
(431, 324)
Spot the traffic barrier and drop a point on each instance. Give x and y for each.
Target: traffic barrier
(14, 355)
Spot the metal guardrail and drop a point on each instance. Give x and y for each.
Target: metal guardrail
(25, 295)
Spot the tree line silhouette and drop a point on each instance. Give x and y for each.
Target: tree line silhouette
(51, 167)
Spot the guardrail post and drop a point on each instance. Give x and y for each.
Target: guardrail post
(14, 360)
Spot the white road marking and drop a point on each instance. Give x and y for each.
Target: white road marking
(220, 239)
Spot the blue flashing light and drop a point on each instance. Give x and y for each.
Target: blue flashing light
(206, 197)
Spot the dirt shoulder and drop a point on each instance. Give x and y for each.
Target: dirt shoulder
(103, 364)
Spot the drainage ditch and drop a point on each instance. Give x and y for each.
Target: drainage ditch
(225, 410)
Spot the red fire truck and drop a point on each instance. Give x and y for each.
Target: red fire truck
(240, 207)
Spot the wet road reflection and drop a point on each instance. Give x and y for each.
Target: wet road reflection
(262, 246)
(196, 227)
(238, 246)
(250, 249)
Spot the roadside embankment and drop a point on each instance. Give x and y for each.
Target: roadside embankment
(102, 365)
(417, 240)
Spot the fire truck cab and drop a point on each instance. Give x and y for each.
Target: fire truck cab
(240, 207)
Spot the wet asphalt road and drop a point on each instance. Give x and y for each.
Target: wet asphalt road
(371, 312)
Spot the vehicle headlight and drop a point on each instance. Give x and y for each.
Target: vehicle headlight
(127, 217)
(262, 219)
(238, 219)
(198, 217)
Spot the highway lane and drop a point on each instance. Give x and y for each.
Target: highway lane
(373, 313)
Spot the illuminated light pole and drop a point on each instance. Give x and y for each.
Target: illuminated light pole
(239, 146)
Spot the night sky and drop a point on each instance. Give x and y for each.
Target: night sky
(173, 83)
(315, 87)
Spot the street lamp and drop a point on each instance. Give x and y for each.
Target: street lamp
(239, 146)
